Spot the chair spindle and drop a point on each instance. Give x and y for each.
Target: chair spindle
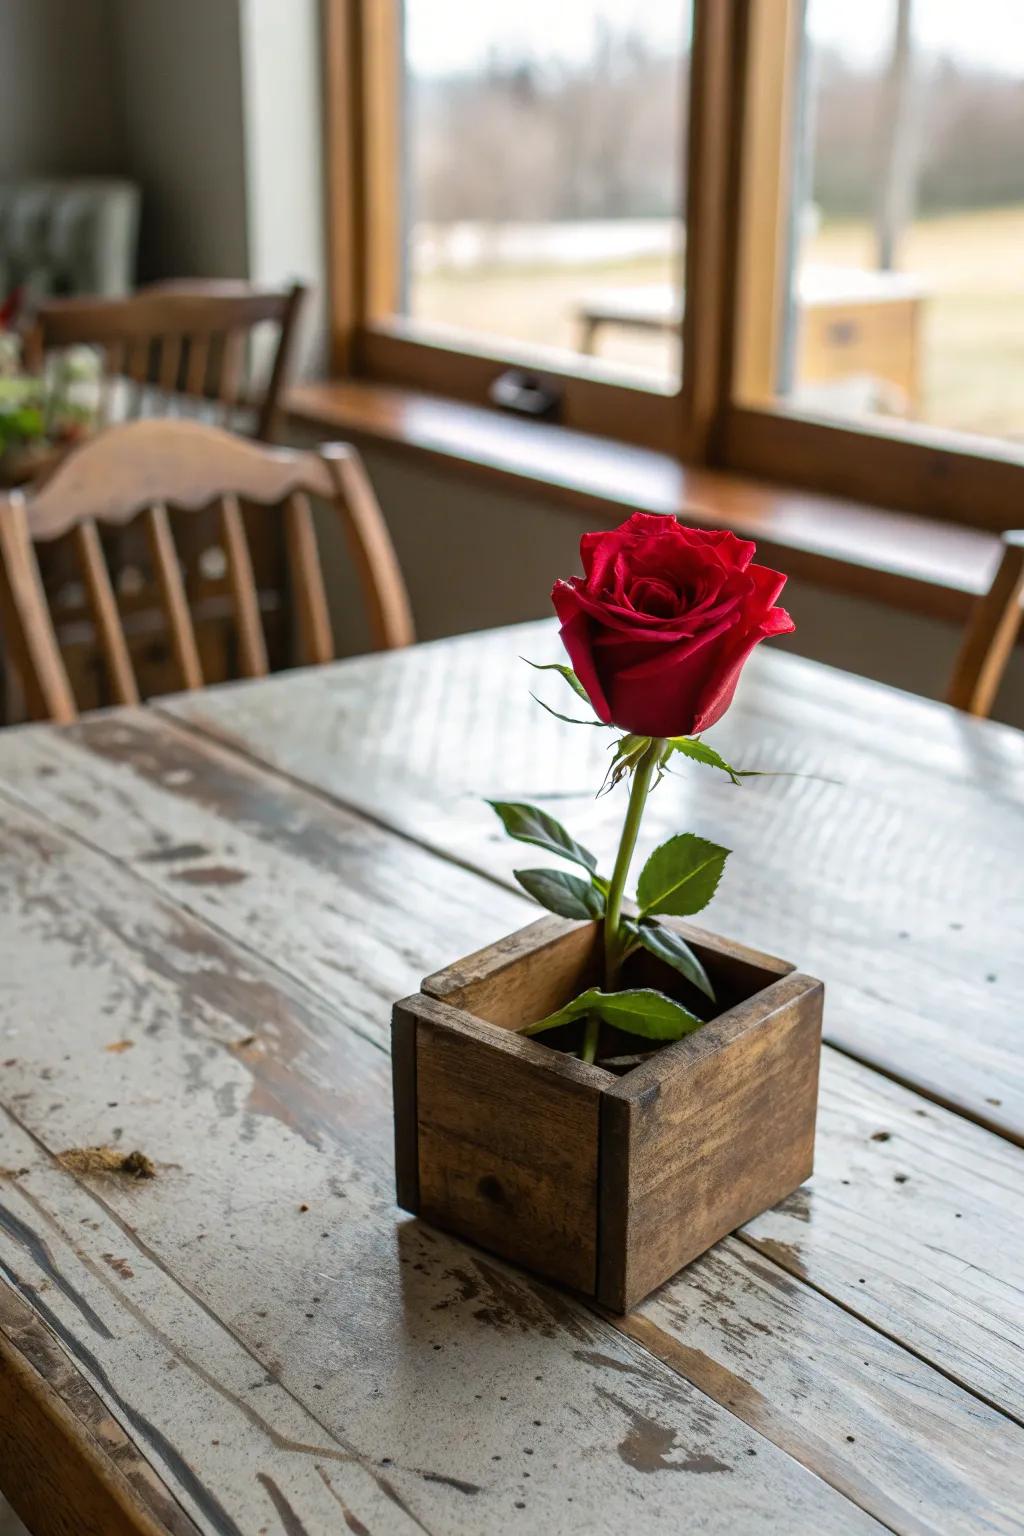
(105, 612)
(110, 381)
(231, 364)
(170, 366)
(252, 649)
(172, 591)
(22, 595)
(316, 639)
(137, 369)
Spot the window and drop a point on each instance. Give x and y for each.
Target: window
(775, 236)
(542, 179)
(509, 196)
(903, 290)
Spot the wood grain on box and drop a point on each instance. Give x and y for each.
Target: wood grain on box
(706, 1135)
(507, 1142)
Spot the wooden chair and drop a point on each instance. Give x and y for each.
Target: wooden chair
(186, 347)
(991, 633)
(177, 340)
(137, 471)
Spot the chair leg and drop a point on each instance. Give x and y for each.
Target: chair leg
(991, 634)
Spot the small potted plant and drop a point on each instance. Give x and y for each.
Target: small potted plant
(604, 1094)
(42, 415)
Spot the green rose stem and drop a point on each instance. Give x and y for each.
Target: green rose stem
(613, 947)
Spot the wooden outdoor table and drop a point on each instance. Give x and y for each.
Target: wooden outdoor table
(207, 909)
(855, 324)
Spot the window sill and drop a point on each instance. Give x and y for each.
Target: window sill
(908, 561)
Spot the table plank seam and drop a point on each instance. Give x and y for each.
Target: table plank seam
(764, 1249)
(131, 1420)
(195, 729)
(346, 1453)
(198, 729)
(861, 1501)
(827, 1466)
(113, 1401)
(14, 798)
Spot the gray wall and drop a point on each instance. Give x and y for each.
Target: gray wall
(178, 67)
(58, 111)
(150, 89)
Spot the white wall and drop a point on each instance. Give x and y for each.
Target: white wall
(282, 114)
(58, 107)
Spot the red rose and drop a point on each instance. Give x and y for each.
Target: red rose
(660, 625)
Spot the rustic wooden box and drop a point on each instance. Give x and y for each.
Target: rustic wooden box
(607, 1184)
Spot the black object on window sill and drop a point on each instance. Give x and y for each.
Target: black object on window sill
(526, 395)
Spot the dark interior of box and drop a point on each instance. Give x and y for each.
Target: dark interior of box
(539, 983)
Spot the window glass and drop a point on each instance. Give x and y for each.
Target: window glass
(544, 153)
(905, 286)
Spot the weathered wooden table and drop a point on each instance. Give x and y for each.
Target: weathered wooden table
(207, 909)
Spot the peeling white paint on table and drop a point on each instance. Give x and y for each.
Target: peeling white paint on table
(201, 939)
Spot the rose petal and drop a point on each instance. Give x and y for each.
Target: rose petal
(719, 692)
(768, 584)
(575, 634)
(664, 619)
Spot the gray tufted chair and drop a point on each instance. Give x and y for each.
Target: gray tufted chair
(68, 237)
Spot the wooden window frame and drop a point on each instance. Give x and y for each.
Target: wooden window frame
(908, 466)
(741, 80)
(362, 62)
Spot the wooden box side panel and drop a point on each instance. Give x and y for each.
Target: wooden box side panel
(525, 976)
(721, 1137)
(508, 1144)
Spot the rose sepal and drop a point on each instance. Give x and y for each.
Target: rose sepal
(563, 671)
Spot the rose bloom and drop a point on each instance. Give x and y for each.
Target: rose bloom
(660, 625)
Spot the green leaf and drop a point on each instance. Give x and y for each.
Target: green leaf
(674, 950)
(569, 719)
(681, 876)
(527, 824)
(566, 672)
(25, 422)
(563, 893)
(640, 1011)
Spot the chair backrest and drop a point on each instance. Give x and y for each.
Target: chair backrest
(990, 634)
(187, 338)
(139, 470)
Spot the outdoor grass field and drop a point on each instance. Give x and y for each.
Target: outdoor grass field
(972, 348)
